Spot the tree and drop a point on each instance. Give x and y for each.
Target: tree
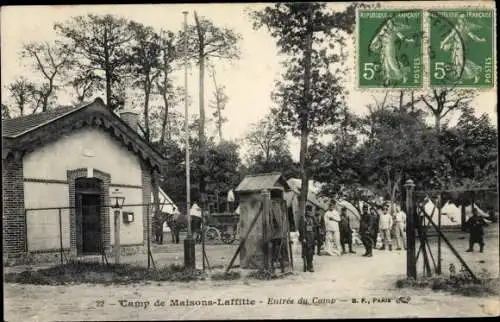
(206, 41)
(309, 94)
(24, 94)
(85, 85)
(164, 84)
(146, 66)
(266, 140)
(99, 44)
(5, 112)
(441, 101)
(50, 60)
(218, 104)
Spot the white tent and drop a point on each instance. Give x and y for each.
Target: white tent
(166, 205)
(352, 213)
(446, 220)
(455, 213)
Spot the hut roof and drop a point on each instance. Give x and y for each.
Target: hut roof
(264, 181)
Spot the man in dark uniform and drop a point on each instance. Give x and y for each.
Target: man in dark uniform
(321, 233)
(374, 224)
(308, 229)
(475, 226)
(365, 231)
(345, 231)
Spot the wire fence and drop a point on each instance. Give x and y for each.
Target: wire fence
(443, 234)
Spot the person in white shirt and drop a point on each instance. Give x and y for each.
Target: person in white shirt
(332, 219)
(400, 228)
(385, 226)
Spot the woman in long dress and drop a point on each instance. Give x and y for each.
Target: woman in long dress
(384, 43)
(455, 43)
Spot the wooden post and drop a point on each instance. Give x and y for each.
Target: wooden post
(266, 200)
(411, 269)
(117, 236)
(439, 205)
(60, 237)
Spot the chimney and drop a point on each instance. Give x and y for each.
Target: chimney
(131, 118)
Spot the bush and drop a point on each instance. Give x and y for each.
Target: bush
(455, 285)
(262, 274)
(97, 273)
(223, 276)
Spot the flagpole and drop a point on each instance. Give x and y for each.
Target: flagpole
(189, 247)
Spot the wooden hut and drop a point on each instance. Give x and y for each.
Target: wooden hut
(263, 220)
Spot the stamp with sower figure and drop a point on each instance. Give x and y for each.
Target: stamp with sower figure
(461, 48)
(389, 48)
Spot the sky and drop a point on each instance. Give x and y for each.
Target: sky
(248, 81)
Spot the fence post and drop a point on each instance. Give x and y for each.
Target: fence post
(266, 198)
(440, 201)
(117, 236)
(60, 237)
(411, 269)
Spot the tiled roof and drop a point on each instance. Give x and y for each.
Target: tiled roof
(19, 125)
(263, 182)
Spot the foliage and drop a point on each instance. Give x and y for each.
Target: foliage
(97, 273)
(222, 168)
(51, 61)
(309, 93)
(229, 276)
(25, 96)
(218, 104)
(99, 43)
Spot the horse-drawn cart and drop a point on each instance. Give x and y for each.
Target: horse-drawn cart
(222, 226)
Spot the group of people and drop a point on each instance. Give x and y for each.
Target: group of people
(333, 231)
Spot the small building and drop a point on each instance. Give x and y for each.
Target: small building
(59, 169)
(274, 227)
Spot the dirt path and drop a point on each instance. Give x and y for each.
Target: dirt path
(338, 278)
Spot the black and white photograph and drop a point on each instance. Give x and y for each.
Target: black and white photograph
(234, 161)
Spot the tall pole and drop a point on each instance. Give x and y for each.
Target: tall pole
(411, 268)
(189, 258)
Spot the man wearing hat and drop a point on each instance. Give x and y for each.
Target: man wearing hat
(366, 231)
(308, 228)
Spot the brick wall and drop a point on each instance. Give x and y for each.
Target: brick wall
(146, 199)
(13, 216)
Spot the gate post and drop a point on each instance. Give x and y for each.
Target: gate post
(411, 267)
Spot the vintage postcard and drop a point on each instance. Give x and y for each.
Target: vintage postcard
(233, 161)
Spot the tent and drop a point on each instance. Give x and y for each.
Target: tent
(455, 213)
(166, 206)
(432, 210)
(352, 213)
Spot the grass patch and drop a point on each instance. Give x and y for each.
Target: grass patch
(223, 276)
(455, 285)
(263, 274)
(97, 273)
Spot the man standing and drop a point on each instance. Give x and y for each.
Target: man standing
(385, 226)
(475, 226)
(332, 219)
(321, 233)
(374, 224)
(307, 236)
(400, 228)
(345, 231)
(365, 230)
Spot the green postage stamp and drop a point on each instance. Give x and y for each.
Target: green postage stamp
(461, 48)
(390, 48)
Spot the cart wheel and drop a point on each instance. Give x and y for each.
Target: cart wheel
(211, 233)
